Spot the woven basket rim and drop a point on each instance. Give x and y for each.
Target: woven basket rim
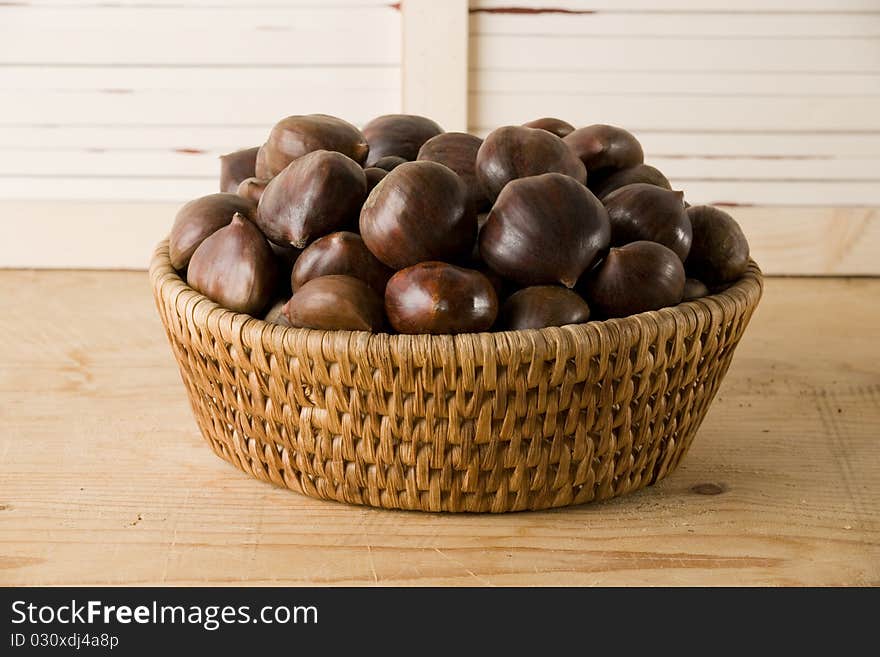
(165, 280)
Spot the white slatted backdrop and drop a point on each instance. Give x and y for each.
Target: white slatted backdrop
(111, 114)
(136, 101)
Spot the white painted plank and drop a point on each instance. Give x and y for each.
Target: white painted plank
(435, 61)
(815, 168)
(65, 234)
(158, 163)
(180, 78)
(827, 193)
(682, 113)
(211, 4)
(733, 25)
(819, 241)
(133, 137)
(84, 235)
(538, 53)
(726, 144)
(724, 6)
(635, 83)
(191, 106)
(156, 36)
(49, 188)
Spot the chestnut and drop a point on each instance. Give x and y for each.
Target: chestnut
(694, 289)
(251, 188)
(439, 298)
(388, 162)
(373, 176)
(335, 303)
(647, 212)
(720, 252)
(314, 195)
(513, 152)
(540, 306)
(200, 218)
(295, 136)
(235, 167)
(558, 127)
(458, 151)
(603, 146)
(603, 184)
(235, 267)
(275, 314)
(544, 229)
(634, 278)
(339, 253)
(418, 212)
(398, 134)
(261, 166)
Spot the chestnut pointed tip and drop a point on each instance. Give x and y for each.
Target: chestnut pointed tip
(569, 282)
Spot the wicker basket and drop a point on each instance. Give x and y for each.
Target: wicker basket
(493, 422)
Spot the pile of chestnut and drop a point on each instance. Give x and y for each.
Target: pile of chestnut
(402, 227)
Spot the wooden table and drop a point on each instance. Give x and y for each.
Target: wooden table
(104, 478)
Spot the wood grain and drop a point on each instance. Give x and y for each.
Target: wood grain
(106, 480)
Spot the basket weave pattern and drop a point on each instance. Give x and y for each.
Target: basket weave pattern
(492, 422)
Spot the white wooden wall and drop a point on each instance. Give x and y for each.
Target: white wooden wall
(111, 114)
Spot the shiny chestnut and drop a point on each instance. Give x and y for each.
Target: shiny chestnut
(439, 298)
(512, 152)
(634, 278)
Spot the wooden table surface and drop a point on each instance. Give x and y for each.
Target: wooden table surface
(104, 478)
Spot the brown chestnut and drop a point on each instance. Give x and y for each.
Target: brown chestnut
(398, 134)
(634, 278)
(251, 188)
(603, 184)
(720, 252)
(295, 136)
(647, 212)
(439, 298)
(694, 289)
(261, 166)
(235, 167)
(374, 175)
(539, 306)
(418, 212)
(275, 314)
(336, 303)
(235, 267)
(388, 162)
(313, 196)
(544, 229)
(200, 218)
(458, 151)
(513, 152)
(558, 127)
(603, 146)
(340, 253)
